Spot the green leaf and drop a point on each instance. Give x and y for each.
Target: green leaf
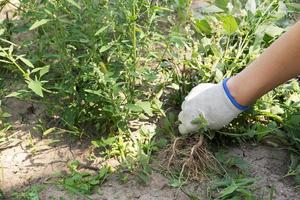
(96, 143)
(38, 24)
(212, 9)
(219, 75)
(203, 26)
(176, 183)
(9, 42)
(294, 120)
(36, 87)
(273, 30)
(103, 172)
(16, 94)
(74, 3)
(201, 122)
(297, 179)
(175, 86)
(276, 110)
(146, 106)
(2, 54)
(222, 4)
(294, 7)
(2, 31)
(98, 92)
(108, 141)
(11, 49)
(134, 108)
(251, 6)
(27, 62)
(229, 24)
(101, 30)
(216, 50)
(105, 48)
(229, 190)
(282, 10)
(42, 70)
(246, 193)
(240, 163)
(144, 177)
(4, 61)
(48, 131)
(6, 115)
(295, 85)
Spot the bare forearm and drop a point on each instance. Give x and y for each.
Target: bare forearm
(279, 63)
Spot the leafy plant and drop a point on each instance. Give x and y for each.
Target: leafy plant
(14, 61)
(234, 189)
(93, 65)
(83, 183)
(97, 71)
(4, 126)
(31, 193)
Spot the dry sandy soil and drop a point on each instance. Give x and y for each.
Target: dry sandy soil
(30, 159)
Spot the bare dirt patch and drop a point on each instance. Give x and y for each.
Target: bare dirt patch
(269, 165)
(27, 156)
(8, 11)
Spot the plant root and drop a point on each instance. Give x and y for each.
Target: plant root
(194, 162)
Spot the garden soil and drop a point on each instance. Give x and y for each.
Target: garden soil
(29, 159)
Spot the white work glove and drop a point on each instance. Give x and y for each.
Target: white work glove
(211, 101)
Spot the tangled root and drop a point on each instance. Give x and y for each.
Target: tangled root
(190, 156)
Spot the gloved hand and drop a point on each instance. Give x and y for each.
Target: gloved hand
(211, 101)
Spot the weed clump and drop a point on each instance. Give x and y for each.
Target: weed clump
(189, 156)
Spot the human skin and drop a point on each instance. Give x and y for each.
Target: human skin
(279, 63)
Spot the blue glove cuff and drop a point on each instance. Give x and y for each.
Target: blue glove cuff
(231, 98)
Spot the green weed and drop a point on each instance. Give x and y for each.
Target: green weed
(93, 63)
(83, 183)
(31, 193)
(96, 52)
(4, 126)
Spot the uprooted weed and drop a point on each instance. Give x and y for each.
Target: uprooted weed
(223, 38)
(191, 158)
